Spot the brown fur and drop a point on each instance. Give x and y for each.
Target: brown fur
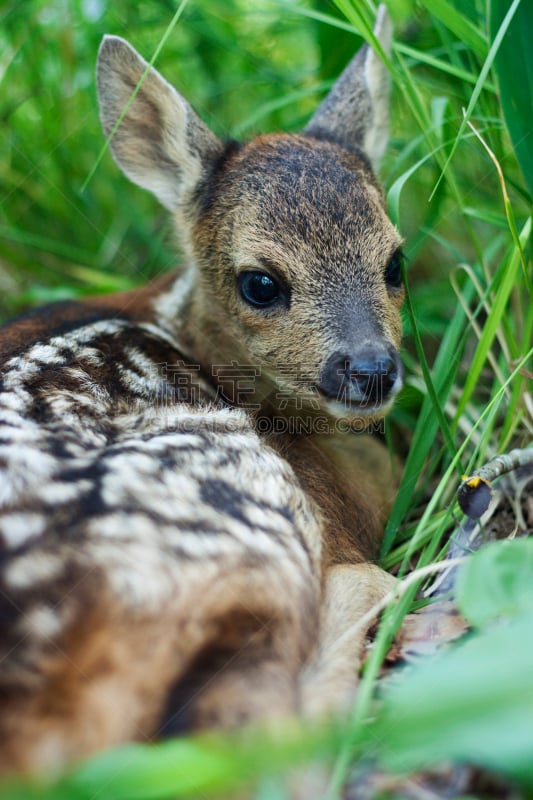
(172, 560)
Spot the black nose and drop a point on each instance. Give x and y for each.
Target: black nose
(366, 377)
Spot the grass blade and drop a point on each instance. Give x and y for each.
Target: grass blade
(459, 24)
(513, 65)
(480, 85)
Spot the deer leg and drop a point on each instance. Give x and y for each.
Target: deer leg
(329, 681)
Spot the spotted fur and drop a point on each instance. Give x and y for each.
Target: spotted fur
(171, 561)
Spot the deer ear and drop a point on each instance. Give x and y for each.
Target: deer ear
(356, 111)
(160, 144)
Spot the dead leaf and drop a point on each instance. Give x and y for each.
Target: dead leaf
(425, 631)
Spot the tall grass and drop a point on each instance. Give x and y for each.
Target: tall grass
(459, 179)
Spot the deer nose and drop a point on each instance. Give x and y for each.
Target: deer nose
(367, 377)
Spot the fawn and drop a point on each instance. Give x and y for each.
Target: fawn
(187, 527)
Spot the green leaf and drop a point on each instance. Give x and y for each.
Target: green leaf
(443, 374)
(173, 768)
(480, 85)
(473, 703)
(496, 582)
(503, 284)
(514, 70)
(459, 24)
(204, 766)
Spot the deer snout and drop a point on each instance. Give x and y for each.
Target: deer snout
(367, 378)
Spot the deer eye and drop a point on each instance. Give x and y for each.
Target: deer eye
(259, 289)
(393, 270)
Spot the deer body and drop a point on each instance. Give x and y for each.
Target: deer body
(171, 560)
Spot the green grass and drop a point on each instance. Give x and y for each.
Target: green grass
(459, 177)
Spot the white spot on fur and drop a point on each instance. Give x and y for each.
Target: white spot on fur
(169, 305)
(15, 401)
(45, 353)
(33, 568)
(28, 467)
(91, 355)
(66, 405)
(102, 327)
(16, 397)
(57, 493)
(145, 365)
(131, 477)
(139, 384)
(21, 365)
(11, 417)
(19, 527)
(43, 622)
(120, 525)
(140, 575)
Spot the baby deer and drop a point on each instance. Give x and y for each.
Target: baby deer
(188, 518)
